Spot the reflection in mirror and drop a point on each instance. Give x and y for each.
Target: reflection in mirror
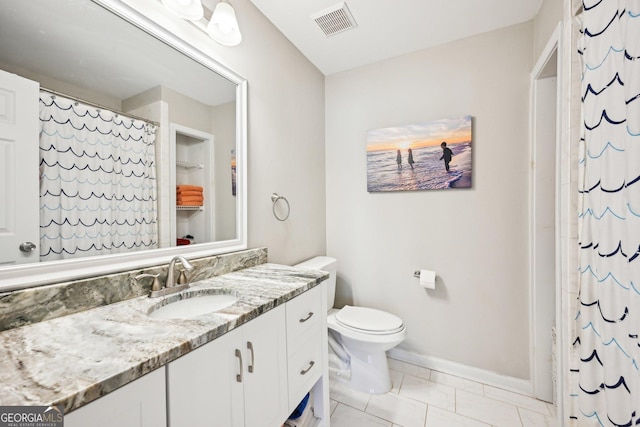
(133, 146)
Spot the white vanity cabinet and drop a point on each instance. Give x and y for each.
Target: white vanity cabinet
(236, 380)
(140, 403)
(256, 374)
(304, 343)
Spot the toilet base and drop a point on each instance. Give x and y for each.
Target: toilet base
(363, 355)
(369, 373)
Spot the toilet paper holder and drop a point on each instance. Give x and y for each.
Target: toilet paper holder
(427, 278)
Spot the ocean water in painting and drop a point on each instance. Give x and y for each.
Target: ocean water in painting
(428, 171)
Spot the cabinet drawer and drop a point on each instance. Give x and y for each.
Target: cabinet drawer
(304, 317)
(304, 369)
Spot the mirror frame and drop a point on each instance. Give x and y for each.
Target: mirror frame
(22, 276)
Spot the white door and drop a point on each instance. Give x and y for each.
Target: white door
(545, 230)
(19, 170)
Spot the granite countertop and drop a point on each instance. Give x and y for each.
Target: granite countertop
(78, 358)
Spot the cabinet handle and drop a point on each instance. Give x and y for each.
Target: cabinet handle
(250, 347)
(304, 371)
(306, 318)
(239, 356)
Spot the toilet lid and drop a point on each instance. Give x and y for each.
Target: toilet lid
(369, 319)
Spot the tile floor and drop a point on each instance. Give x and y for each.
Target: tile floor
(421, 397)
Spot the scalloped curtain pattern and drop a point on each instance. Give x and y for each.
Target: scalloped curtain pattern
(97, 181)
(607, 385)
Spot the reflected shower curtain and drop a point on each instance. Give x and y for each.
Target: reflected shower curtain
(608, 318)
(97, 181)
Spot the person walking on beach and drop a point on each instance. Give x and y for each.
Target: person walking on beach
(399, 160)
(446, 155)
(410, 158)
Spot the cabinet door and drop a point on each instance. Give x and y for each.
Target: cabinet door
(265, 386)
(140, 403)
(203, 386)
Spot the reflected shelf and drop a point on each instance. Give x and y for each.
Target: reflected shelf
(190, 208)
(189, 165)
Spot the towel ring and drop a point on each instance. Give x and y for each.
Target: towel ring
(274, 199)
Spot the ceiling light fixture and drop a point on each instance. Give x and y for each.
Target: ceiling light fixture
(185, 9)
(223, 26)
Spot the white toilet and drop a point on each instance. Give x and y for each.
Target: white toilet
(358, 337)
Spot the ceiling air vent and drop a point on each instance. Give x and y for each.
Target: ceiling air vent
(335, 19)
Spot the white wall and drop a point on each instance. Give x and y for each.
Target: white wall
(225, 218)
(475, 239)
(64, 87)
(285, 133)
(548, 17)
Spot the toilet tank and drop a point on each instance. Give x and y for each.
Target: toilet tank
(328, 264)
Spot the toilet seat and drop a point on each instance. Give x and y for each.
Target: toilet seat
(368, 320)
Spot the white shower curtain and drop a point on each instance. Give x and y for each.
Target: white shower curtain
(607, 392)
(97, 181)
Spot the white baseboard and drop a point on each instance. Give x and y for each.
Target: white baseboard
(495, 379)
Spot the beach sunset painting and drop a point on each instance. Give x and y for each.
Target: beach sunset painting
(425, 156)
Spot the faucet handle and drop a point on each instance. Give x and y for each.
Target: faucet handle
(182, 278)
(156, 283)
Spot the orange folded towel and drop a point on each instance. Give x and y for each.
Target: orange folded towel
(185, 187)
(189, 193)
(190, 200)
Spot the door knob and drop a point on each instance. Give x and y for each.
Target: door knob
(27, 247)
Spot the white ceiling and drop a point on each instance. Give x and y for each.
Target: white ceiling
(388, 28)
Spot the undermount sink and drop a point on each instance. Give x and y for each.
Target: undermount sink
(193, 306)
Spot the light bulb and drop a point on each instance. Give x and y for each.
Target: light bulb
(223, 26)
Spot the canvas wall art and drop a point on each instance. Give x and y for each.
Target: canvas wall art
(233, 172)
(425, 156)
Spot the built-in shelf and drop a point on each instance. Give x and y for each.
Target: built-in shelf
(189, 165)
(192, 153)
(189, 208)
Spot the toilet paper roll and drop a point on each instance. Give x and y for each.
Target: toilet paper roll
(428, 279)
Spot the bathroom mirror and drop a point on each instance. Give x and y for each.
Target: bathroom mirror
(107, 57)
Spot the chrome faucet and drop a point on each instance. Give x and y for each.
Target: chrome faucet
(171, 276)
